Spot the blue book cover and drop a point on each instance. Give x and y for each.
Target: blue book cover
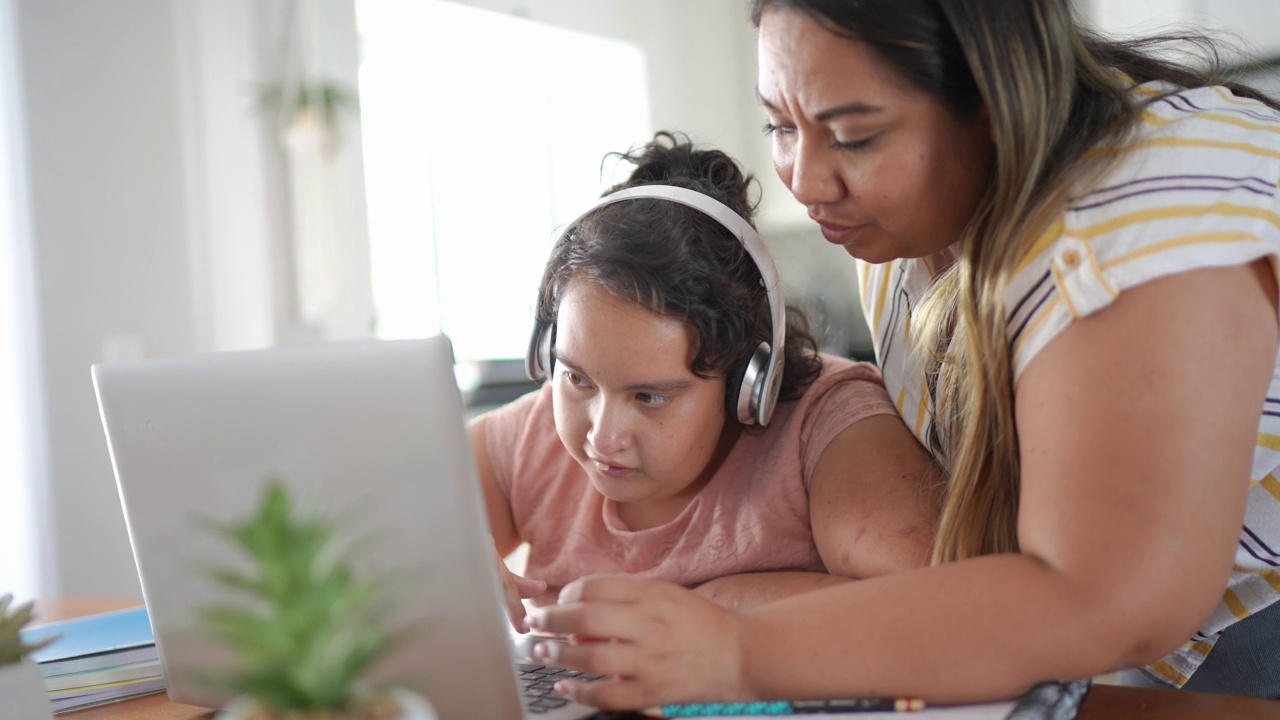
(94, 634)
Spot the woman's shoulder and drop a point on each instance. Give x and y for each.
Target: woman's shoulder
(1194, 185)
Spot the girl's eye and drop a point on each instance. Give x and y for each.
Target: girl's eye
(574, 378)
(652, 400)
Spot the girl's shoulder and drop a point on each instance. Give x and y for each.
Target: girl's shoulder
(845, 389)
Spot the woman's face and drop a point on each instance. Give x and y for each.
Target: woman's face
(884, 168)
(627, 405)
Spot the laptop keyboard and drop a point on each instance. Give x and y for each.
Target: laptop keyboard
(537, 685)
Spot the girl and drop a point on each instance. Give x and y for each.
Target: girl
(636, 456)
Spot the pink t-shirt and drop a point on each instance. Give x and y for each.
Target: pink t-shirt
(752, 515)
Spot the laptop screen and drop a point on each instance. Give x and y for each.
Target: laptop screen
(368, 433)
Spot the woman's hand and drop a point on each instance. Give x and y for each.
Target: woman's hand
(660, 642)
(514, 589)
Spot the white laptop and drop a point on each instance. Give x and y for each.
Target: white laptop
(369, 431)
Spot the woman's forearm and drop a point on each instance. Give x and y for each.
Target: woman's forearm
(983, 629)
(751, 590)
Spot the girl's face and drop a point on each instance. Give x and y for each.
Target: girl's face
(628, 407)
(884, 168)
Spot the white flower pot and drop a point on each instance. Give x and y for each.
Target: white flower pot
(412, 706)
(22, 693)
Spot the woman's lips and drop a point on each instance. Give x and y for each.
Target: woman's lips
(611, 471)
(838, 234)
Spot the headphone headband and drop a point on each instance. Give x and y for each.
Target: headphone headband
(758, 405)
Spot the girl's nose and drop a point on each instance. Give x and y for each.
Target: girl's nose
(608, 434)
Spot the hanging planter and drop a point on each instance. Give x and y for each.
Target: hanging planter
(309, 116)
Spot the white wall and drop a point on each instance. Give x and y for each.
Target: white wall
(108, 218)
(1250, 28)
(26, 532)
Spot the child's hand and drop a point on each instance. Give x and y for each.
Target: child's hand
(514, 588)
(662, 643)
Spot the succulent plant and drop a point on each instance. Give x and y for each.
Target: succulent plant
(312, 629)
(12, 620)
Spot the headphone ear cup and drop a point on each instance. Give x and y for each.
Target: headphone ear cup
(537, 363)
(744, 390)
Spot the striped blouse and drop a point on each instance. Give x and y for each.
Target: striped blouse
(1194, 187)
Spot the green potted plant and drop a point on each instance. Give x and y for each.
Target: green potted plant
(312, 628)
(22, 693)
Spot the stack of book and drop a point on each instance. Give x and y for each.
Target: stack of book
(98, 659)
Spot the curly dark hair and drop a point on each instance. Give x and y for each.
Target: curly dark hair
(679, 262)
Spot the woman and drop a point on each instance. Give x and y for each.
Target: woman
(1070, 252)
(657, 309)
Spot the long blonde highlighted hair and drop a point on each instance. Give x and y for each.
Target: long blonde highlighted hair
(1052, 91)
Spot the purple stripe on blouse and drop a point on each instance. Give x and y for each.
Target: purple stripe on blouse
(1161, 178)
(1258, 540)
(1192, 107)
(1023, 326)
(1250, 550)
(1026, 296)
(1172, 188)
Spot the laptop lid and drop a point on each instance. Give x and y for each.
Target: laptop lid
(370, 432)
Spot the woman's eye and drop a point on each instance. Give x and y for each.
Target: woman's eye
(853, 144)
(770, 128)
(652, 400)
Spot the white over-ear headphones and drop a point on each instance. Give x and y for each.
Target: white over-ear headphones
(758, 384)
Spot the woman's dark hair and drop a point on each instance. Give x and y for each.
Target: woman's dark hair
(1052, 92)
(677, 261)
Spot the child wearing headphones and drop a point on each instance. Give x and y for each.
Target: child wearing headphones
(689, 430)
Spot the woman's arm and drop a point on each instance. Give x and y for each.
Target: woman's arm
(750, 590)
(1136, 429)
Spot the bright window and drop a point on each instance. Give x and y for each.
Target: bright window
(21, 533)
(483, 133)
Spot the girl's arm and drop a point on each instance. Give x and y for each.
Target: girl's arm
(874, 500)
(873, 506)
(502, 523)
(1136, 430)
(502, 526)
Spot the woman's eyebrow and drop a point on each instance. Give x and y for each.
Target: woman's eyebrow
(854, 108)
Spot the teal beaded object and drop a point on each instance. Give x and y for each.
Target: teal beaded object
(775, 707)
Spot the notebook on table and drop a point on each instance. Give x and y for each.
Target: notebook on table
(368, 431)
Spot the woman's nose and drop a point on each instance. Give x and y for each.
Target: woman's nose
(810, 174)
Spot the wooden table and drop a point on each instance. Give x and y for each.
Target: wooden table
(1105, 702)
